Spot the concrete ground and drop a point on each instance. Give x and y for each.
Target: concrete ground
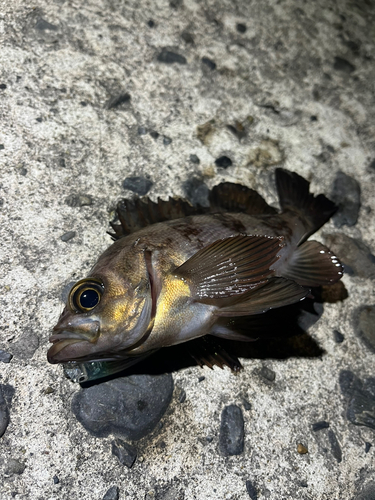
(185, 94)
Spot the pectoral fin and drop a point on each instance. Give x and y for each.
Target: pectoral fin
(230, 267)
(312, 264)
(275, 292)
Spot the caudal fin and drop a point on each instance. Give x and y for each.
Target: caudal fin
(295, 196)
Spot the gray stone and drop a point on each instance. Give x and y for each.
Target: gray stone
(367, 492)
(68, 236)
(5, 357)
(335, 446)
(346, 193)
(361, 398)
(343, 65)
(112, 494)
(25, 346)
(196, 191)
(4, 413)
(318, 426)
(251, 490)
(231, 440)
(125, 452)
(364, 324)
(129, 407)
(14, 466)
(169, 57)
(138, 185)
(357, 257)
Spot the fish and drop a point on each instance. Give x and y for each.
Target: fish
(177, 273)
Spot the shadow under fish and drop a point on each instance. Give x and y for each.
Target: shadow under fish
(235, 271)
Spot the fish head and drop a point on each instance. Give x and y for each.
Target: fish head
(106, 313)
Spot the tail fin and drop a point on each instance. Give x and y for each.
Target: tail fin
(295, 196)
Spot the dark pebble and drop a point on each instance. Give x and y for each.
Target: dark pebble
(250, 488)
(83, 103)
(2, 86)
(267, 374)
(372, 164)
(169, 57)
(4, 412)
(5, 357)
(2, 146)
(209, 439)
(78, 200)
(318, 426)
(343, 65)
(167, 141)
(68, 236)
(142, 130)
(200, 379)
(354, 254)
(23, 171)
(313, 118)
(151, 23)
(129, 407)
(138, 185)
(241, 28)
(56, 480)
(246, 404)
(231, 440)
(338, 336)
(361, 398)
(39, 119)
(182, 396)
(223, 162)
(112, 494)
(154, 134)
(196, 191)
(125, 453)
(367, 446)
(209, 63)
(194, 159)
(43, 25)
(367, 493)
(14, 467)
(303, 484)
(365, 325)
(117, 100)
(187, 37)
(346, 193)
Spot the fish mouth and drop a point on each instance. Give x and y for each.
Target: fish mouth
(63, 339)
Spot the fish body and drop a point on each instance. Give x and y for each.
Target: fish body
(175, 280)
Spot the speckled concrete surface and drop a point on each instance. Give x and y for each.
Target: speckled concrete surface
(295, 82)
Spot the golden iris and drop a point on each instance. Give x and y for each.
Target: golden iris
(86, 295)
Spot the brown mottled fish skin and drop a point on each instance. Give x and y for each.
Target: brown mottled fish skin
(173, 281)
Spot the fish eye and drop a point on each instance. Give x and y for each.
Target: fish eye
(86, 295)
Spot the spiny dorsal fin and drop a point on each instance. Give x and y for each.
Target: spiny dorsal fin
(230, 197)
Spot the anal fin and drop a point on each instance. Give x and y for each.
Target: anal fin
(312, 264)
(206, 351)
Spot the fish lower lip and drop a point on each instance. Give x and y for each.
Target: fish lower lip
(59, 345)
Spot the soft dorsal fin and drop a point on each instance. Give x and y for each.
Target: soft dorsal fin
(230, 197)
(141, 212)
(230, 267)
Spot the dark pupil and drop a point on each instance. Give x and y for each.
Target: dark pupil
(89, 299)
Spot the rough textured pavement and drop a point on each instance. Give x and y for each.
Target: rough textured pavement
(101, 99)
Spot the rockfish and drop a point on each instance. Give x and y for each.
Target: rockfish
(178, 272)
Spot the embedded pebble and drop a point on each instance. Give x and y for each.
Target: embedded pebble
(196, 191)
(250, 488)
(117, 100)
(335, 446)
(138, 185)
(343, 65)
(361, 398)
(194, 159)
(353, 253)
(169, 57)
(241, 28)
(246, 404)
(318, 426)
(68, 236)
(78, 200)
(346, 193)
(25, 346)
(209, 63)
(267, 374)
(338, 336)
(223, 162)
(166, 140)
(367, 446)
(5, 357)
(4, 412)
(200, 379)
(56, 480)
(142, 130)
(129, 407)
(367, 493)
(43, 25)
(182, 396)
(365, 325)
(125, 452)
(112, 494)
(302, 449)
(154, 134)
(231, 440)
(14, 467)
